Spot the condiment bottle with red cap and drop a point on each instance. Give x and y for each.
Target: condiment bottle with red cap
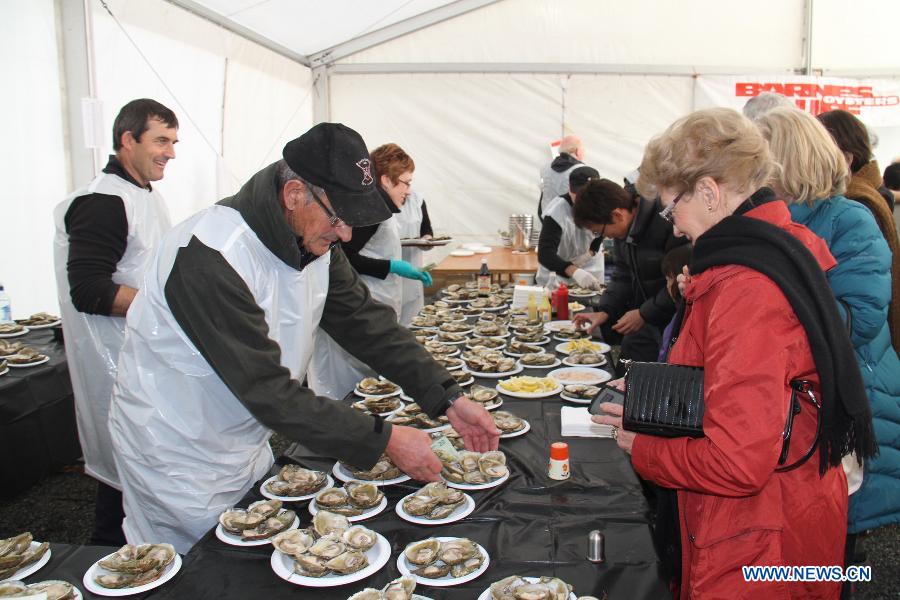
(562, 302)
(559, 461)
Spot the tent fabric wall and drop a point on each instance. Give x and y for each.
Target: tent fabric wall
(34, 157)
(479, 140)
(244, 99)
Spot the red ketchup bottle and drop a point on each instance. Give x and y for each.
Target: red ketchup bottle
(562, 303)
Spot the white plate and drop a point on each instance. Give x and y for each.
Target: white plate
(541, 342)
(522, 431)
(468, 381)
(486, 594)
(262, 490)
(571, 364)
(382, 414)
(508, 353)
(378, 556)
(236, 540)
(405, 568)
(478, 486)
(482, 250)
(417, 329)
(344, 475)
(32, 568)
(428, 430)
(15, 333)
(598, 347)
(446, 343)
(552, 392)
(31, 364)
(557, 325)
(448, 354)
(556, 362)
(591, 295)
(362, 395)
(463, 332)
(96, 569)
(569, 398)
(518, 369)
(474, 246)
(592, 376)
(460, 513)
(462, 253)
(493, 308)
(367, 514)
(499, 337)
(45, 326)
(453, 368)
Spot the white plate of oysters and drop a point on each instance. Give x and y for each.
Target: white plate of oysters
(474, 470)
(443, 561)
(53, 589)
(256, 524)
(370, 387)
(341, 471)
(329, 553)
(435, 504)
(538, 587)
(295, 484)
(357, 500)
(23, 556)
(399, 589)
(108, 576)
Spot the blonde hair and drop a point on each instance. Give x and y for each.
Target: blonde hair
(714, 142)
(812, 166)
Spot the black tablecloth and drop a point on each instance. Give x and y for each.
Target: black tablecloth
(37, 417)
(530, 525)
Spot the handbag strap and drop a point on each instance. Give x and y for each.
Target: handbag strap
(799, 387)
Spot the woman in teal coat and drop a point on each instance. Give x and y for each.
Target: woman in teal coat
(814, 175)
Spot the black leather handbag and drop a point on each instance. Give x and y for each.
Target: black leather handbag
(666, 400)
(663, 400)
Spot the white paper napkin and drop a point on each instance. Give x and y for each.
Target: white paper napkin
(576, 422)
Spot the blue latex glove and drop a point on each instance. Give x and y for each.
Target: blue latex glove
(404, 269)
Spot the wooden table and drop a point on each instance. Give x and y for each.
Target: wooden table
(501, 261)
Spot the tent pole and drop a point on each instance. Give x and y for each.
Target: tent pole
(807, 38)
(321, 95)
(77, 62)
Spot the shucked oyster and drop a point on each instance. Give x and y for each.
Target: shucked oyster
(515, 587)
(294, 542)
(423, 552)
(270, 526)
(326, 522)
(294, 480)
(363, 495)
(376, 387)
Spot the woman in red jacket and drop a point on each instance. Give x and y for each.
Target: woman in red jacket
(753, 333)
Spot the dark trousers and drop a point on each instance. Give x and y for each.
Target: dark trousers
(108, 515)
(642, 345)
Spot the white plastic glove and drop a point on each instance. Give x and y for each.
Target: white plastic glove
(580, 261)
(585, 279)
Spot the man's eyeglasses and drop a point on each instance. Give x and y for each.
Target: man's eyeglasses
(602, 233)
(666, 213)
(333, 219)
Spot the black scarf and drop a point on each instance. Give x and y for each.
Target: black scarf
(845, 420)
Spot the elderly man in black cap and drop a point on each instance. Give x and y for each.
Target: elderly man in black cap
(220, 336)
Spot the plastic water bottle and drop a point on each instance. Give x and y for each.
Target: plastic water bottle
(5, 306)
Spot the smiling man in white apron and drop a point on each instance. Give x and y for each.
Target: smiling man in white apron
(104, 237)
(219, 339)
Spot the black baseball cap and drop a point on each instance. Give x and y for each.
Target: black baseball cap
(334, 157)
(581, 175)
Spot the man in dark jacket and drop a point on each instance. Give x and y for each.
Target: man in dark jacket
(220, 336)
(636, 301)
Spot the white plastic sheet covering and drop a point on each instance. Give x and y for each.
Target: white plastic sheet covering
(34, 161)
(766, 34)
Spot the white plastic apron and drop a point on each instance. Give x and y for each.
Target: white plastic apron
(575, 241)
(93, 341)
(186, 448)
(553, 185)
(333, 372)
(409, 221)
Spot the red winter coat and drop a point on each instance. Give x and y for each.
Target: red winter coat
(734, 509)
